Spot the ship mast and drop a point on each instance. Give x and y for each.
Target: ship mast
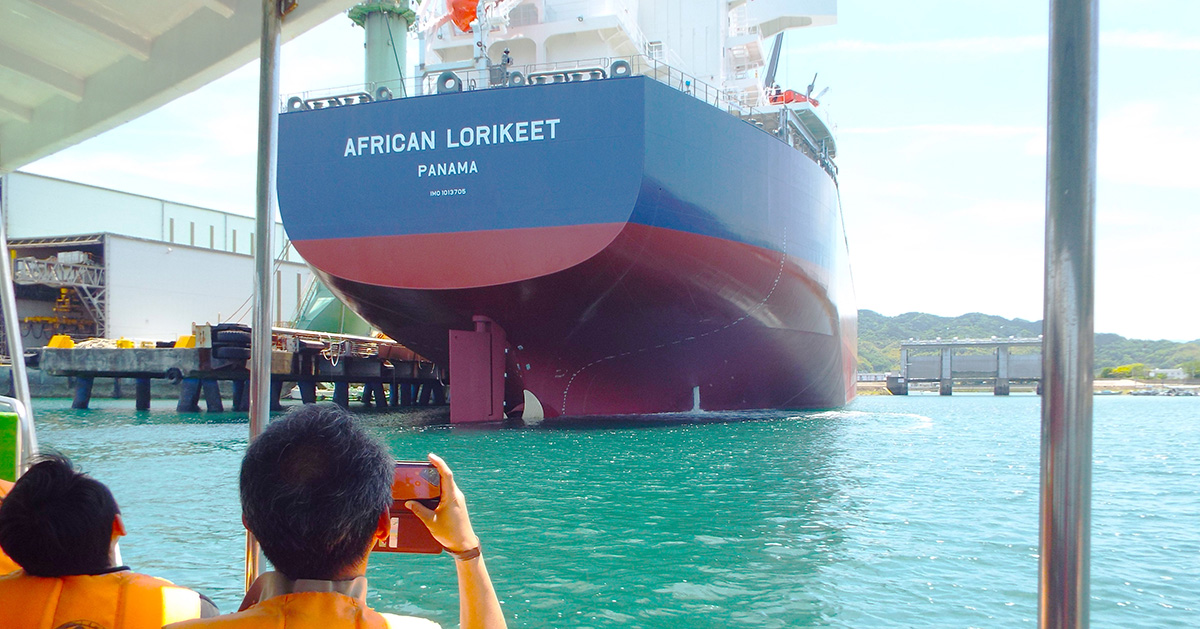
(386, 24)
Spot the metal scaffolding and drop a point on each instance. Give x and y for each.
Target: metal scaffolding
(86, 279)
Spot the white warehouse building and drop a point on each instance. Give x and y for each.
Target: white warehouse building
(95, 262)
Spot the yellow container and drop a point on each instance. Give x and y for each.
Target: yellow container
(124, 343)
(186, 340)
(60, 341)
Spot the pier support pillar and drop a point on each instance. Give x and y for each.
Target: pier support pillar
(241, 398)
(189, 396)
(423, 395)
(394, 394)
(381, 400)
(276, 393)
(477, 362)
(142, 394)
(308, 392)
(117, 394)
(1001, 370)
(897, 385)
(83, 393)
(212, 396)
(341, 394)
(946, 378)
(407, 389)
(439, 396)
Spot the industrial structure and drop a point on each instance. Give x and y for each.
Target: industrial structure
(944, 361)
(94, 262)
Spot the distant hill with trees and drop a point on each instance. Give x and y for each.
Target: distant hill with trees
(879, 339)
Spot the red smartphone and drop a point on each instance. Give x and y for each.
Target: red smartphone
(419, 481)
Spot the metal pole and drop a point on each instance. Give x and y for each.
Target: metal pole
(27, 441)
(1066, 470)
(268, 135)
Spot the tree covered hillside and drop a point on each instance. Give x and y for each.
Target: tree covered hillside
(879, 339)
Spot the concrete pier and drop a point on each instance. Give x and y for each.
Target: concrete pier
(308, 392)
(142, 398)
(1002, 362)
(341, 394)
(189, 396)
(212, 396)
(83, 393)
(199, 372)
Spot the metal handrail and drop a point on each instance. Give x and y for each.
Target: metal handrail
(268, 142)
(475, 79)
(1064, 554)
(12, 329)
(496, 77)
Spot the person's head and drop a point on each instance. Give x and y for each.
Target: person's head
(314, 486)
(59, 522)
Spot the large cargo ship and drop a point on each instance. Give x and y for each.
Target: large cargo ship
(578, 219)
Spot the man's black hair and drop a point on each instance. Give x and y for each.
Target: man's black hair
(313, 486)
(57, 521)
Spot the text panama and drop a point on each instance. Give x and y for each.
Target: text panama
(479, 135)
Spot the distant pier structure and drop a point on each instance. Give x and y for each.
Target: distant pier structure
(946, 361)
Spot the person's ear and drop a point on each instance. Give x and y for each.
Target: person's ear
(384, 527)
(244, 525)
(118, 529)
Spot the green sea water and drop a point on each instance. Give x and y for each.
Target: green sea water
(894, 512)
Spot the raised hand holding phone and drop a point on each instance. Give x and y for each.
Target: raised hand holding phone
(416, 481)
(448, 523)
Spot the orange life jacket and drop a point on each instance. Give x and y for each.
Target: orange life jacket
(6, 565)
(309, 610)
(118, 600)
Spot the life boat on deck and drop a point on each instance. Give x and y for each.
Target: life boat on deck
(790, 96)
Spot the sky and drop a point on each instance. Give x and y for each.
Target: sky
(940, 109)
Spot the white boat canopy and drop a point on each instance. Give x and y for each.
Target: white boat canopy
(72, 69)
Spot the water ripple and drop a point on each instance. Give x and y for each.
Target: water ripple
(895, 512)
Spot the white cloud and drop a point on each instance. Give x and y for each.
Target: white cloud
(1149, 40)
(989, 45)
(1001, 214)
(974, 130)
(1142, 40)
(1035, 146)
(1135, 146)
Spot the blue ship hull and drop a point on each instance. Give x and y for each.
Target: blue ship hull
(640, 248)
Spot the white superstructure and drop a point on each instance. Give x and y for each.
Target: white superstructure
(724, 43)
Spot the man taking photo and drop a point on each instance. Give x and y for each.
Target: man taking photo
(315, 492)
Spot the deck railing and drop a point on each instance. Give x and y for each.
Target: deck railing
(578, 70)
(498, 76)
